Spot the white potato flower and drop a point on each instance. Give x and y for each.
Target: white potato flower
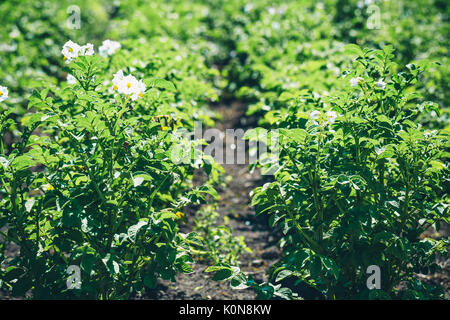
(70, 50)
(331, 116)
(314, 115)
(128, 85)
(139, 91)
(3, 93)
(108, 48)
(381, 84)
(87, 50)
(272, 11)
(429, 133)
(118, 76)
(355, 81)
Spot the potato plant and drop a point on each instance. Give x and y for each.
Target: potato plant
(97, 189)
(359, 181)
(219, 243)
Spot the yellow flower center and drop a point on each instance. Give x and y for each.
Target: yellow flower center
(49, 187)
(128, 85)
(115, 87)
(1, 93)
(140, 94)
(70, 49)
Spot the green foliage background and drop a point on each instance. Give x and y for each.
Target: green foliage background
(284, 59)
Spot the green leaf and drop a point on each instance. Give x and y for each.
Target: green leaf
(111, 264)
(186, 268)
(137, 181)
(29, 204)
(165, 215)
(217, 268)
(150, 281)
(330, 266)
(239, 281)
(284, 293)
(134, 229)
(22, 162)
(296, 135)
(353, 49)
(437, 164)
(283, 274)
(222, 275)
(285, 96)
(255, 134)
(159, 83)
(222, 271)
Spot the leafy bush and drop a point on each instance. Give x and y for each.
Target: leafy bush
(97, 189)
(358, 183)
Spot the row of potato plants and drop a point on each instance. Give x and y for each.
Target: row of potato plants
(362, 171)
(286, 59)
(88, 179)
(286, 46)
(358, 183)
(59, 139)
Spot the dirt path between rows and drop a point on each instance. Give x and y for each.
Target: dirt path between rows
(234, 203)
